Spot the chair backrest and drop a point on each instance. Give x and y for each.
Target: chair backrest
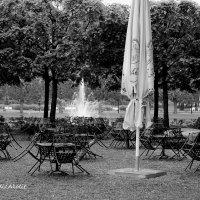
(174, 132)
(147, 143)
(63, 138)
(46, 136)
(147, 132)
(67, 152)
(47, 152)
(193, 138)
(197, 140)
(66, 128)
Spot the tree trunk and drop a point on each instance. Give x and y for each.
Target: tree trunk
(53, 99)
(46, 96)
(118, 105)
(21, 101)
(175, 106)
(165, 101)
(156, 96)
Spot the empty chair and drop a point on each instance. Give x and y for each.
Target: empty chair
(174, 141)
(118, 134)
(192, 149)
(149, 142)
(68, 153)
(28, 148)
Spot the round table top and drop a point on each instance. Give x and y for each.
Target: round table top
(187, 131)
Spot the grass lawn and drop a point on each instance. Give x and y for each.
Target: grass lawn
(177, 184)
(108, 114)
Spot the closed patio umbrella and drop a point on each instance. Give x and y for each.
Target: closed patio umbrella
(138, 73)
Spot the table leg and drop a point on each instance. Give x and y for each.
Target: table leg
(163, 154)
(127, 142)
(57, 167)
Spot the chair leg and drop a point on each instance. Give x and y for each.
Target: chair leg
(73, 168)
(7, 154)
(19, 156)
(151, 154)
(81, 168)
(3, 153)
(197, 169)
(143, 152)
(15, 141)
(100, 143)
(33, 166)
(189, 165)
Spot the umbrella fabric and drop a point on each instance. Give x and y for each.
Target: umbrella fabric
(138, 73)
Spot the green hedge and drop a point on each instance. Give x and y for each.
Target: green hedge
(107, 108)
(26, 107)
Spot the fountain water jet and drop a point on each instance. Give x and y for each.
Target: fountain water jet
(83, 107)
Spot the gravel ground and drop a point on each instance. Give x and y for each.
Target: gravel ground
(177, 184)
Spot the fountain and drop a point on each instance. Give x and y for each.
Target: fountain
(82, 106)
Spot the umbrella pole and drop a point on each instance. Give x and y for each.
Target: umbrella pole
(137, 144)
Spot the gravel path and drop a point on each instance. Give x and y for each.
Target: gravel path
(177, 184)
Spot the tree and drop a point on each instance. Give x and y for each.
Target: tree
(172, 25)
(60, 30)
(15, 56)
(44, 38)
(104, 48)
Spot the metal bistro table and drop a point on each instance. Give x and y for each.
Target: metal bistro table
(161, 140)
(170, 139)
(47, 151)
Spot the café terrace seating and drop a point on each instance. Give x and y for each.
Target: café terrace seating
(174, 141)
(122, 137)
(62, 149)
(160, 138)
(44, 144)
(149, 142)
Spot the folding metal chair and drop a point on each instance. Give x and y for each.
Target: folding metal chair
(149, 142)
(174, 141)
(118, 134)
(68, 153)
(28, 149)
(192, 149)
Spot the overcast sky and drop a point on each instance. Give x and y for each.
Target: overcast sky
(129, 1)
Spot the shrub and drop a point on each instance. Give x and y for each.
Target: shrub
(107, 108)
(123, 107)
(2, 119)
(197, 123)
(26, 107)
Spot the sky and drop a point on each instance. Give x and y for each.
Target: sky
(128, 2)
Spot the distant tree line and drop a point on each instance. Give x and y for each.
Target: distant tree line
(67, 40)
